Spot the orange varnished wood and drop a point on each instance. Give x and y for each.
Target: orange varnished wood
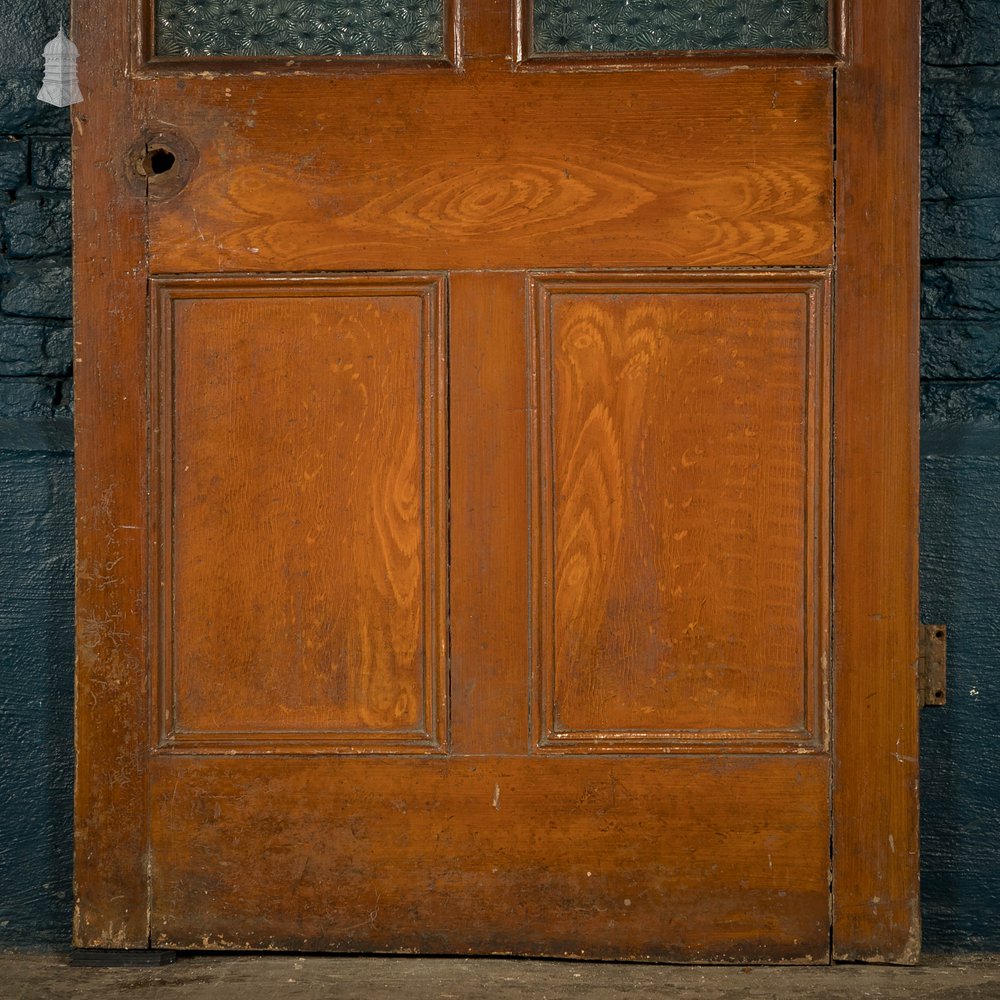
(658, 167)
(876, 843)
(110, 878)
(487, 28)
(489, 665)
(301, 432)
(313, 706)
(688, 859)
(681, 438)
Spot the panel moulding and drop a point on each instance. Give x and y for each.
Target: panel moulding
(574, 708)
(425, 728)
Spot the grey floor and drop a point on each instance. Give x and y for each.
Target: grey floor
(258, 977)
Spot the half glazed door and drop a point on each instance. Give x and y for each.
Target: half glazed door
(469, 464)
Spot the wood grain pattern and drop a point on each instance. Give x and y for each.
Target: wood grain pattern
(573, 170)
(876, 842)
(683, 448)
(109, 310)
(301, 433)
(567, 856)
(476, 177)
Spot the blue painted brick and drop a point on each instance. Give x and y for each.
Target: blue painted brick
(958, 349)
(961, 291)
(21, 111)
(961, 132)
(50, 163)
(38, 288)
(961, 31)
(37, 225)
(13, 163)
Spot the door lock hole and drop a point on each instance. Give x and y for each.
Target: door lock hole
(158, 160)
(159, 164)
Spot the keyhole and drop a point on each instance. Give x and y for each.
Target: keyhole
(157, 161)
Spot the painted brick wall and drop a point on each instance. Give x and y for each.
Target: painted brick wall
(961, 475)
(36, 491)
(960, 509)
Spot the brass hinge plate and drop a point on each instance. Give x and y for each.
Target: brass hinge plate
(933, 666)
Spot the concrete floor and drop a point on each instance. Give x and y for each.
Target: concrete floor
(262, 977)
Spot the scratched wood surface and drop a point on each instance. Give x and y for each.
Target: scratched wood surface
(614, 858)
(109, 365)
(876, 843)
(542, 170)
(311, 606)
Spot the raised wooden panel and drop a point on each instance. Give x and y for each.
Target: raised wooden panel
(300, 510)
(676, 859)
(496, 169)
(680, 521)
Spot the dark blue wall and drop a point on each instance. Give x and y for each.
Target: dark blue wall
(960, 509)
(961, 479)
(36, 492)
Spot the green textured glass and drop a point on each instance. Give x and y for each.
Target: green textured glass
(678, 25)
(299, 28)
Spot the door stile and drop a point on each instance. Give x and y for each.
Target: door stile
(111, 419)
(876, 915)
(488, 513)
(486, 29)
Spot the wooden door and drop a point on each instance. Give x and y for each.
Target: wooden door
(489, 542)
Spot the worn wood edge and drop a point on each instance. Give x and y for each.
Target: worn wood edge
(110, 831)
(875, 899)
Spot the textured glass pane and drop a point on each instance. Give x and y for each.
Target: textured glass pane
(672, 25)
(298, 27)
